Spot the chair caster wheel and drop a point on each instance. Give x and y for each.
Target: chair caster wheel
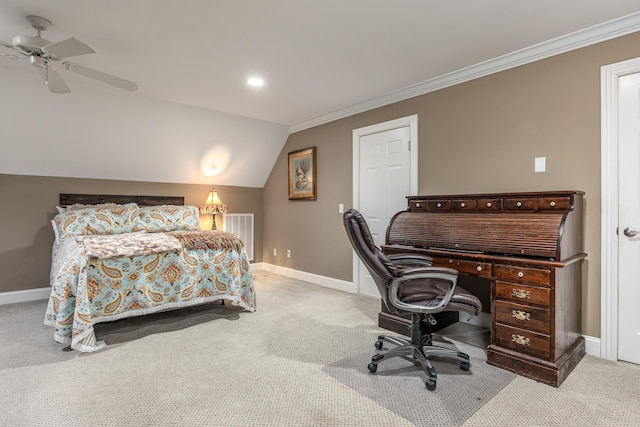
(378, 345)
(372, 367)
(431, 384)
(464, 366)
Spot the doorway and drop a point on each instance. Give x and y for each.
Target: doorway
(385, 171)
(620, 339)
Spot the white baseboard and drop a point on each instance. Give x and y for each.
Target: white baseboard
(592, 344)
(316, 279)
(14, 297)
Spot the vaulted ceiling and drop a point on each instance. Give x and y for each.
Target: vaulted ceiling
(316, 57)
(319, 59)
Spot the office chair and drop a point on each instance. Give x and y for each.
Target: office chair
(409, 285)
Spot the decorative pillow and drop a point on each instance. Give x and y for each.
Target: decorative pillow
(116, 219)
(165, 218)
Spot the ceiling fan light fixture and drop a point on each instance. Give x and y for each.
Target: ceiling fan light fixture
(43, 54)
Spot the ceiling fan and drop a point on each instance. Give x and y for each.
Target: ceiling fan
(45, 56)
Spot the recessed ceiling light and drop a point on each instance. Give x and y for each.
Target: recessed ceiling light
(255, 82)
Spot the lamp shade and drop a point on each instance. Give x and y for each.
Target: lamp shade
(213, 204)
(213, 199)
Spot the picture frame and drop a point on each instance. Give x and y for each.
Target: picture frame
(302, 174)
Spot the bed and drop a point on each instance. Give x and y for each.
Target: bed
(122, 256)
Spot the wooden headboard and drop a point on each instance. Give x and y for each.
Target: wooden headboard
(95, 199)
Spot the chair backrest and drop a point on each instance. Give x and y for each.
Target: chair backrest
(382, 270)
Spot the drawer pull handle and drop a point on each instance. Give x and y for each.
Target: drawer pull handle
(553, 204)
(520, 293)
(520, 315)
(417, 205)
(519, 204)
(462, 205)
(519, 339)
(489, 204)
(439, 205)
(479, 268)
(520, 274)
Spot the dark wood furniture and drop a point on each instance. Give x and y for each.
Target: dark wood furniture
(529, 247)
(96, 199)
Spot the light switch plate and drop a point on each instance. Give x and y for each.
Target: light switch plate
(540, 164)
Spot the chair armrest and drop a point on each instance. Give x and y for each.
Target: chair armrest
(402, 259)
(447, 275)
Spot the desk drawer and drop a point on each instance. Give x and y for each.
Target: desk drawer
(464, 204)
(523, 293)
(523, 341)
(418, 205)
(521, 204)
(482, 269)
(523, 274)
(554, 203)
(489, 204)
(439, 205)
(523, 316)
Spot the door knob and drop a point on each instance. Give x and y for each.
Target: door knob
(630, 231)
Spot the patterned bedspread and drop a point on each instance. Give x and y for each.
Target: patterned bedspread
(103, 278)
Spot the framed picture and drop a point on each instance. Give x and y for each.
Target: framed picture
(302, 174)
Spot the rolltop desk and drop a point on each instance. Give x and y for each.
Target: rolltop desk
(529, 247)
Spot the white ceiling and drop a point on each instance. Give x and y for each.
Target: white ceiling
(318, 57)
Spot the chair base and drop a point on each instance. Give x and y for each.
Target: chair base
(417, 353)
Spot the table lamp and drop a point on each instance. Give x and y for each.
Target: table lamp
(213, 205)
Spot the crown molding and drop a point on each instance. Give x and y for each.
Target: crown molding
(589, 36)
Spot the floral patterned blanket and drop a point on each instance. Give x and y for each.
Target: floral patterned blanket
(103, 278)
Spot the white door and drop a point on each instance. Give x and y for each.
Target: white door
(384, 182)
(629, 219)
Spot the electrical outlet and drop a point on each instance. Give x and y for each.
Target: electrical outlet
(288, 253)
(275, 252)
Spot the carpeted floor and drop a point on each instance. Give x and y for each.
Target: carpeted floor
(299, 360)
(458, 394)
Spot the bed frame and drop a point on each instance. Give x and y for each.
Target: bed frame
(95, 199)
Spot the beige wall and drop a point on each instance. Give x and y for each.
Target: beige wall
(480, 136)
(29, 205)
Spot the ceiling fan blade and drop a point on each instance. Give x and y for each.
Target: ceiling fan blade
(5, 44)
(100, 76)
(8, 55)
(53, 80)
(66, 48)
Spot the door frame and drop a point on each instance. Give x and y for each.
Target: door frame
(609, 280)
(412, 122)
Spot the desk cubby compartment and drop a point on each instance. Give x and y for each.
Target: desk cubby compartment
(519, 274)
(523, 293)
(523, 316)
(523, 341)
